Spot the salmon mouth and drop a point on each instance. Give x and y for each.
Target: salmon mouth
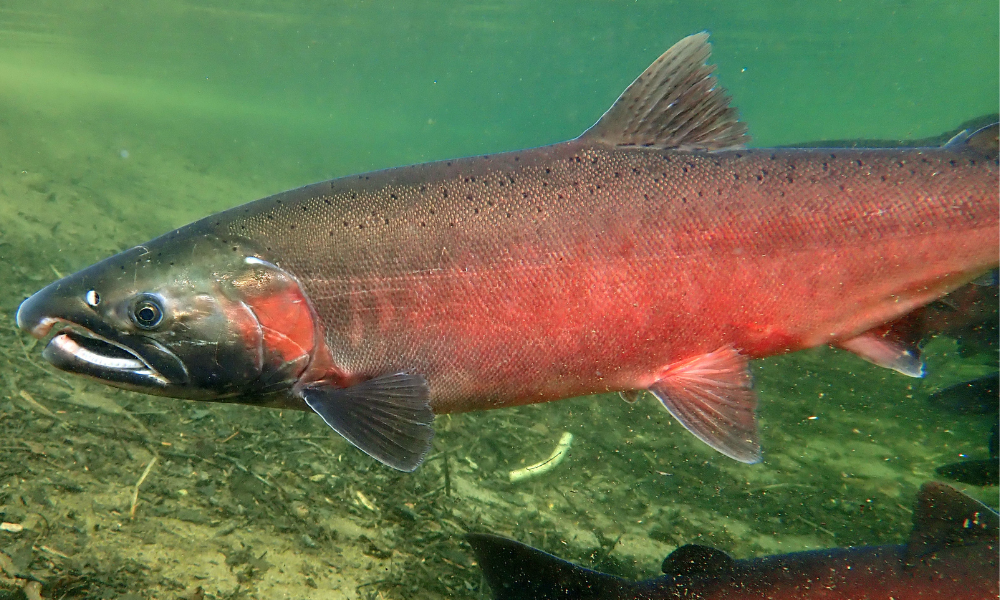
(78, 350)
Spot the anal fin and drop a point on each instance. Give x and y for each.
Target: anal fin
(712, 396)
(388, 417)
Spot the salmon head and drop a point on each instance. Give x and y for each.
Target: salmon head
(186, 315)
(201, 315)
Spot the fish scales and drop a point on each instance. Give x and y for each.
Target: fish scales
(570, 269)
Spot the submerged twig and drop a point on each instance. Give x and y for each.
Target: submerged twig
(135, 492)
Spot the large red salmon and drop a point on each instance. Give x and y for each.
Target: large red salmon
(652, 253)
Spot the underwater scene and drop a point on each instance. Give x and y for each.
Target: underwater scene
(122, 121)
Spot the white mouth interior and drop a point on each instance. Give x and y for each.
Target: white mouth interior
(66, 344)
(83, 347)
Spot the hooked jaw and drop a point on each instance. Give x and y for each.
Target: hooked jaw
(77, 348)
(85, 353)
(224, 328)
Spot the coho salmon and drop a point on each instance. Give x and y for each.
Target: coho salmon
(654, 252)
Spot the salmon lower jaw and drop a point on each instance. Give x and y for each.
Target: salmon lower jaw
(79, 352)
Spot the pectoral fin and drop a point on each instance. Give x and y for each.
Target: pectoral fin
(712, 396)
(388, 417)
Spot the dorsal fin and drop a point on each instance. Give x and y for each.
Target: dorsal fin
(945, 517)
(675, 103)
(693, 559)
(519, 572)
(984, 140)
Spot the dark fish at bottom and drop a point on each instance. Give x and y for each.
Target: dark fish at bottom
(951, 554)
(654, 252)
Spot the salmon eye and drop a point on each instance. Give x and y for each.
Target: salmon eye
(147, 313)
(93, 298)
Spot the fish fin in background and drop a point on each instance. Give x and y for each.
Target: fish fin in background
(515, 571)
(984, 141)
(981, 471)
(388, 417)
(630, 396)
(974, 397)
(675, 103)
(712, 396)
(694, 559)
(945, 517)
(883, 347)
(990, 279)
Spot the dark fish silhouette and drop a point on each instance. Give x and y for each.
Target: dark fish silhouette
(652, 253)
(951, 554)
(979, 397)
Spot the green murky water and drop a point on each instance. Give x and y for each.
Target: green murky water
(123, 120)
